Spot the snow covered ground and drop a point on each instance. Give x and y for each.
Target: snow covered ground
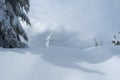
(60, 63)
(71, 55)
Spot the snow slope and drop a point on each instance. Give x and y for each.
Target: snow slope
(60, 63)
(71, 56)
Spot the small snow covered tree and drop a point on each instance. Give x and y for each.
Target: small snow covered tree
(11, 12)
(96, 42)
(48, 40)
(115, 41)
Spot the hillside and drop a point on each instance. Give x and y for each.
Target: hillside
(60, 63)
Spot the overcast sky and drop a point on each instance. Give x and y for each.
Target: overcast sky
(84, 17)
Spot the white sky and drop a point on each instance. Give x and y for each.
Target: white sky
(98, 18)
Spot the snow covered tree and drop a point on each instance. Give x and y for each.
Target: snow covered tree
(96, 42)
(48, 40)
(115, 41)
(11, 12)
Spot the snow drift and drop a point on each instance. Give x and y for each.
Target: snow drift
(60, 63)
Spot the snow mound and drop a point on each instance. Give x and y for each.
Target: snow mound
(59, 63)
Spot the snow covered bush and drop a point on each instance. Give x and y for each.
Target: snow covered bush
(11, 11)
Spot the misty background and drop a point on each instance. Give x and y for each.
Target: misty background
(74, 23)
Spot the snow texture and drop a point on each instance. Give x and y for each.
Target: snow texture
(60, 63)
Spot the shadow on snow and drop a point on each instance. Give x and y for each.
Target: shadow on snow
(68, 57)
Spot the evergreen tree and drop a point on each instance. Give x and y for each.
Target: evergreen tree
(48, 40)
(96, 43)
(11, 12)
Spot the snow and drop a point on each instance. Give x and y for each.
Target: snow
(60, 63)
(72, 54)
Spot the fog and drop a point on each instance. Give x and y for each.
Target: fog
(86, 19)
